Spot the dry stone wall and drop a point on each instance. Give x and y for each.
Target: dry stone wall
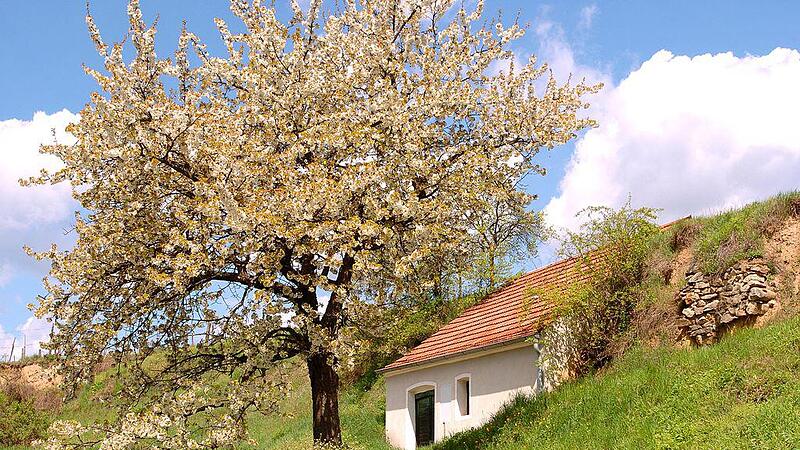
(712, 302)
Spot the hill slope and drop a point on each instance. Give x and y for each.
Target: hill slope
(741, 393)
(361, 410)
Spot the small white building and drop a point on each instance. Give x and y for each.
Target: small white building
(465, 372)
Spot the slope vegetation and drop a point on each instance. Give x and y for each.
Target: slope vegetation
(741, 393)
(361, 409)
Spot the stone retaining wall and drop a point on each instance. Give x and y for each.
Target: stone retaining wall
(711, 302)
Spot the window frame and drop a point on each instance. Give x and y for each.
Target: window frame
(457, 381)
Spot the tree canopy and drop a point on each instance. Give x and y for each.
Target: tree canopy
(238, 210)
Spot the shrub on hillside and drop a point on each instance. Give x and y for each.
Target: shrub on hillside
(18, 391)
(42, 398)
(20, 422)
(614, 246)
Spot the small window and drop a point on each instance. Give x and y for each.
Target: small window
(462, 396)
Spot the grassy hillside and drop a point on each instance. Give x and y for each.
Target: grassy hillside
(742, 393)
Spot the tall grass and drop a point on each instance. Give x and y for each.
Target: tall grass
(725, 238)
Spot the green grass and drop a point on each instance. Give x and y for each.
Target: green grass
(361, 413)
(738, 234)
(742, 393)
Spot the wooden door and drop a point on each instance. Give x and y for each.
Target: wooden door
(423, 417)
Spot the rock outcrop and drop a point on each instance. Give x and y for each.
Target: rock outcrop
(712, 302)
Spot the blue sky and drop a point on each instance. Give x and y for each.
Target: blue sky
(678, 130)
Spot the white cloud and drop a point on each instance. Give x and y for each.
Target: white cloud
(689, 135)
(499, 66)
(7, 342)
(554, 50)
(304, 4)
(36, 331)
(31, 335)
(322, 302)
(36, 215)
(587, 16)
(19, 143)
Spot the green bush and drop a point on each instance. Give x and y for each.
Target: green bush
(613, 247)
(20, 422)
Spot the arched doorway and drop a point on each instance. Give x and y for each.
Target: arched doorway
(421, 401)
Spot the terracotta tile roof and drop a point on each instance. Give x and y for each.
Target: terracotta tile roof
(508, 314)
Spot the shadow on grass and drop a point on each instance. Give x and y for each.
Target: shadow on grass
(521, 411)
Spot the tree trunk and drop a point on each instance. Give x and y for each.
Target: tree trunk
(324, 399)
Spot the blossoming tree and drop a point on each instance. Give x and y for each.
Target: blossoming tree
(236, 210)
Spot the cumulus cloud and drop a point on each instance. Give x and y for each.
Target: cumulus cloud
(36, 215)
(6, 273)
(36, 332)
(691, 135)
(7, 343)
(304, 4)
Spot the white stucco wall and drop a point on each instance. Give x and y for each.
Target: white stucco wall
(495, 379)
